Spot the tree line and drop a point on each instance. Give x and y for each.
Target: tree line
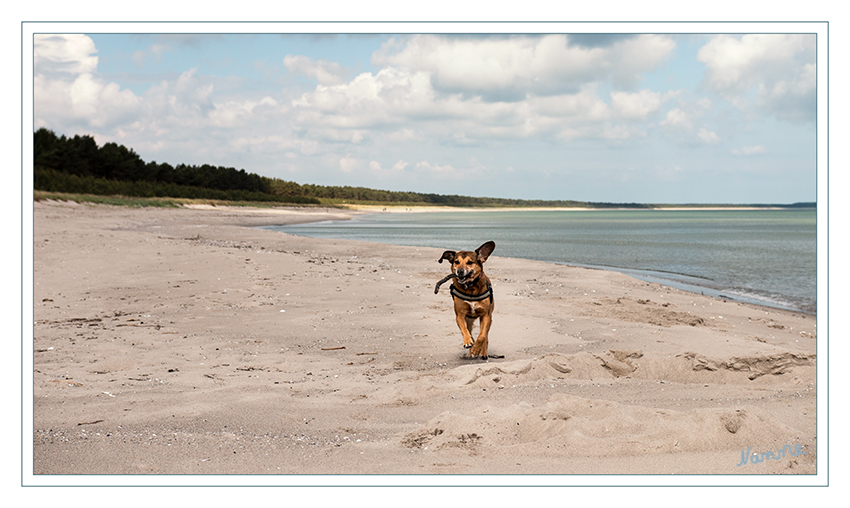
(78, 165)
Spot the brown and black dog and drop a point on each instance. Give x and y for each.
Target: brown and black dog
(473, 296)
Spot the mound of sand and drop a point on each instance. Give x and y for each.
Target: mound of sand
(575, 426)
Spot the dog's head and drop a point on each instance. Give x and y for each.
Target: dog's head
(468, 265)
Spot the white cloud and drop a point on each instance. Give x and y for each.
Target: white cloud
(468, 91)
(377, 169)
(402, 135)
(740, 62)
(475, 164)
(707, 136)
(584, 105)
(635, 106)
(66, 88)
(680, 123)
(512, 67)
(140, 57)
(400, 165)
(366, 100)
(473, 170)
(676, 118)
(632, 57)
(84, 93)
(395, 97)
(237, 114)
(436, 168)
(64, 54)
(192, 90)
(86, 99)
(750, 150)
(621, 132)
(460, 138)
(568, 134)
(323, 71)
(779, 67)
(348, 164)
(187, 104)
(307, 146)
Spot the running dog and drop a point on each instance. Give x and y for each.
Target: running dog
(472, 295)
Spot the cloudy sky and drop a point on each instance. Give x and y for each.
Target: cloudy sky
(685, 118)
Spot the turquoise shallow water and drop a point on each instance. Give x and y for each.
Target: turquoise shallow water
(763, 256)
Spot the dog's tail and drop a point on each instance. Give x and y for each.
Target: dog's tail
(443, 281)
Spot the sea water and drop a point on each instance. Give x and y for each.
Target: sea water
(762, 256)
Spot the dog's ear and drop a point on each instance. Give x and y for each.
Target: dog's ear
(485, 250)
(449, 255)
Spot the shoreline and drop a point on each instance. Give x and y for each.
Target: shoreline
(422, 209)
(664, 278)
(187, 341)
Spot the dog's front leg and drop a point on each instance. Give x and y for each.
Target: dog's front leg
(481, 343)
(464, 330)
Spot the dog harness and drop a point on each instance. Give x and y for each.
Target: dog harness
(473, 298)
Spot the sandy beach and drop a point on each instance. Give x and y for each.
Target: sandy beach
(187, 341)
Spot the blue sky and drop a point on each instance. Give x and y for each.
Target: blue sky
(683, 118)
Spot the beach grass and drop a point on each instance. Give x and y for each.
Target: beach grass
(157, 202)
(170, 202)
(108, 200)
(167, 202)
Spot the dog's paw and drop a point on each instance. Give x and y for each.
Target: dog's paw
(467, 346)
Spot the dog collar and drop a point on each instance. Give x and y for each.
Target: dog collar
(473, 298)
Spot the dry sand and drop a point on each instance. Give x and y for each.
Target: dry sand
(174, 341)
